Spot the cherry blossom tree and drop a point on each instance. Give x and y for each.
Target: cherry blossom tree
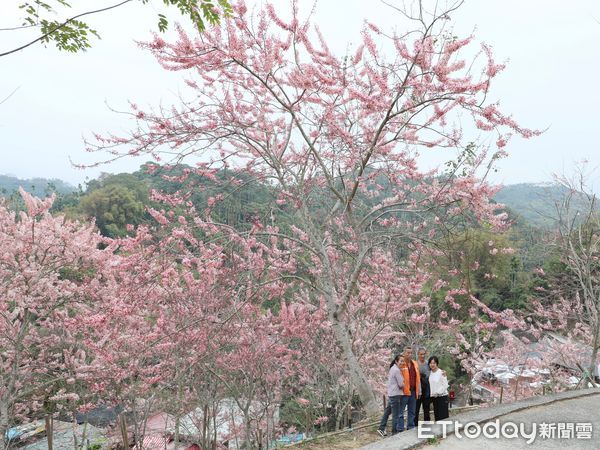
(555, 337)
(180, 325)
(47, 267)
(338, 138)
(567, 297)
(158, 316)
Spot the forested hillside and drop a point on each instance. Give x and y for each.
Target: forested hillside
(116, 200)
(37, 186)
(535, 203)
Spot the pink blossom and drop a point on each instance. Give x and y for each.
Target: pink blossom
(302, 401)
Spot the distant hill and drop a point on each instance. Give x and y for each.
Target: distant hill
(532, 202)
(40, 187)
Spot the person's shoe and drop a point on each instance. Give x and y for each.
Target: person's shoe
(382, 433)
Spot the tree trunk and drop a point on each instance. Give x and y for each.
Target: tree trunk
(214, 421)
(358, 378)
(595, 344)
(248, 427)
(3, 424)
(204, 435)
(357, 375)
(176, 438)
(50, 431)
(123, 429)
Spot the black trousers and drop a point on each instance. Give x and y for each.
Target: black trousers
(440, 407)
(426, 403)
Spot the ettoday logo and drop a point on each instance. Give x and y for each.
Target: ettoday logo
(506, 430)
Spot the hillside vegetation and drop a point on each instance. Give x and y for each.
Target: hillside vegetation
(38, 186)
(114, 201)
(531, 204)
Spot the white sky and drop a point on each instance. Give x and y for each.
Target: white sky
(551, 81)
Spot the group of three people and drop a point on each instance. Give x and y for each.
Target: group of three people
(412, 384)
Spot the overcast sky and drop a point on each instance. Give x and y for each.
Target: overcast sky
(551, 82)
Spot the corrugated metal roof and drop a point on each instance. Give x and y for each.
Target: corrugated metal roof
(154, 442)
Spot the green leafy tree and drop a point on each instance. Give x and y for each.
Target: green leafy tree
(73, 34)
(115, 201)
(491, 264)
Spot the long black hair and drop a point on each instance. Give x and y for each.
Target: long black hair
(395, 360)
(434, 358)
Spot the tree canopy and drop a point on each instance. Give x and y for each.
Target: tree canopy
(72, 34)
(329, 133)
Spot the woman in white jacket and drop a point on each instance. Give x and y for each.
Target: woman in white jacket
(438, 386)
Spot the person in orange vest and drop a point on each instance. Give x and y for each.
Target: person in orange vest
(412, 389)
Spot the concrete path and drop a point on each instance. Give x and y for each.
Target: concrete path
(580, 411)
(581, 406)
